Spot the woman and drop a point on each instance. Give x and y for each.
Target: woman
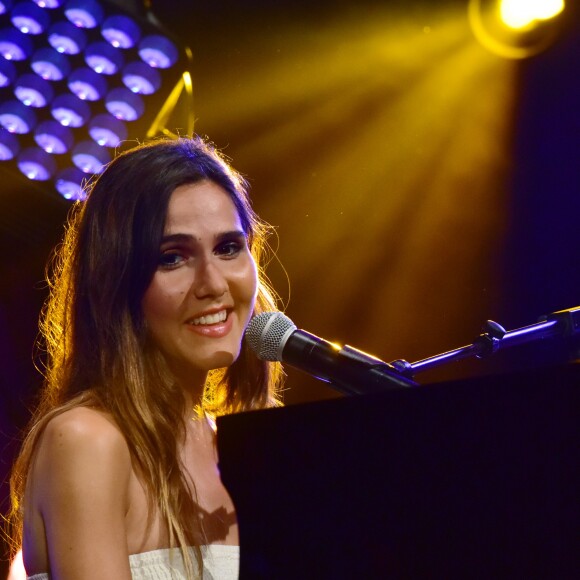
(154, 285)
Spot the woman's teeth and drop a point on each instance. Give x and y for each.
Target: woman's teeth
(210, 318)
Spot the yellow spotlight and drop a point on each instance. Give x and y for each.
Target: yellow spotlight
(521, 14)
(516, 28)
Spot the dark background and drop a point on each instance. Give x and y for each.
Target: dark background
(418, 183)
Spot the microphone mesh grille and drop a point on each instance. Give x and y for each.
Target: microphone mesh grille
(267, 333)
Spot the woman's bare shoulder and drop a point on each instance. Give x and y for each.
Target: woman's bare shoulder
(83, 428)
(83, 443)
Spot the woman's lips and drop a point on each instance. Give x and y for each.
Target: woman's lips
(216, 330)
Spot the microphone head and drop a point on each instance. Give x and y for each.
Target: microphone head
(267, 334)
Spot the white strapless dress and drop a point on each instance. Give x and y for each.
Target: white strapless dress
(219, 563)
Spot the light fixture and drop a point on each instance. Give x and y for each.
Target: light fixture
(33, 90)
(14, 45)
(69, 183)
(53, 137)
(121, 31)
(36, 164)
(7, 72)
(516, 28)
(158, 51)
(84, 13)
(86, 77)
(103, 58)
(90, 157)
(16, 117)
(29, 18)
(87, 84)
(107, 131)
(66, 38)
(49, 64)
(9, 145)
(70, 111)
(140, 78)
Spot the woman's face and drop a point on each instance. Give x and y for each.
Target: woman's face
(203, 292)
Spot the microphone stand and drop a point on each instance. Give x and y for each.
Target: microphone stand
(495, 337)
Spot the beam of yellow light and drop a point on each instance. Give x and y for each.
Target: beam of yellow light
(520, 14)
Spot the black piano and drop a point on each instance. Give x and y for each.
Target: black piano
(469, 479)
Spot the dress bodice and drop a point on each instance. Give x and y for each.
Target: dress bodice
(219, 563)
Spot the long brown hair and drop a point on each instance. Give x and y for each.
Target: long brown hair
(97, 349)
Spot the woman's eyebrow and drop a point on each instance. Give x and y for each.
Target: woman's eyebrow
(188, 238)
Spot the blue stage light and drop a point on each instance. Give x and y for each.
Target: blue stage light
(158, 51)
(87, 85)
(87, 77)
(16, 117)
(84, 13)
(9, 145)
(70, 111)
(124, 105)
(66, 38)
(140, 78)
(33, 91)
(50, 64)
(5, 6)
(7, 72)
(29, 18)
(36, 164)
(103, 58)
(107, 131)
(53, 137)
(69, 183)
(90, 157)
(50, 4)
(121, 31)
(14, 45)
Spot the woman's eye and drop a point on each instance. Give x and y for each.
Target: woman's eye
(229, 249)
(170, 260)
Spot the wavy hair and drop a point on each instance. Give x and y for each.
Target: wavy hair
(92, 327)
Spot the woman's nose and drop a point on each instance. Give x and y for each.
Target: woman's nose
(209, 280)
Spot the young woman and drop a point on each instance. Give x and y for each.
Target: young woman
(153, 287)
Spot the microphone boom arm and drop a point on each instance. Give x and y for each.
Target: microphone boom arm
(495, 337)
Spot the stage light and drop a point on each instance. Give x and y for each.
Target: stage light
(140, 78)
(5, 6)
(14, 45)
(29, 18)
(66, 38)
(50, 64)
(90, 157)
(9, 145)
(53, 137)
(70, 111)
(69, 183)
(124, 105)
(50, 4)
(91, 78)
(158, 51)
(107, 131)
(515, 28)
(103, 58)
(520, 14)
(33, 91)
(36, 164)
(16, 117)
(7, 72)
(121, 31)
(84, 13)
(87, 85)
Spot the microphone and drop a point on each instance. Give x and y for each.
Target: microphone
(272, 336)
